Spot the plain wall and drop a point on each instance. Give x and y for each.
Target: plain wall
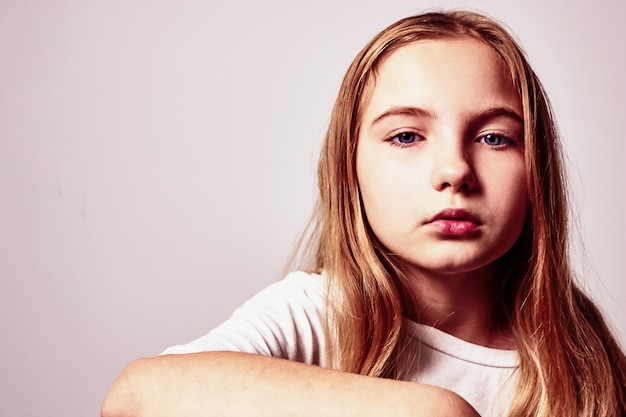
(157, 162)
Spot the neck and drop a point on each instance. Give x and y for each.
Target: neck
(462, 305)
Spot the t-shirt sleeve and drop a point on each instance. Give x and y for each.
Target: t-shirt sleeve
(285, 320)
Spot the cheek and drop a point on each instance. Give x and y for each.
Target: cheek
(503, 179)
(374, 193)
(513, 200)
(387, 187)
(377, 190)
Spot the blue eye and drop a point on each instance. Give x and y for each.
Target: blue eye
(404, 138)
(493, 139)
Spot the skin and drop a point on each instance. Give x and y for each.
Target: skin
(238, 384)
(443, 131)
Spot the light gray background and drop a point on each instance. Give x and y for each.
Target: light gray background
(157, 161)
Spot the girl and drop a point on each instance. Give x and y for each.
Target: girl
(437, 258)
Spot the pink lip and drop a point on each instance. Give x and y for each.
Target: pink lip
(454, 222)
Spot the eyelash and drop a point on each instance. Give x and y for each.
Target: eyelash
(395, 140)
(504, 140)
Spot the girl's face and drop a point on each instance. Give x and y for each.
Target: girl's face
(440, 157)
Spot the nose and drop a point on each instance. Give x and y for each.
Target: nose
(453, 170)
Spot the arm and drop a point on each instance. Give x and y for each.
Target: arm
(238, 384)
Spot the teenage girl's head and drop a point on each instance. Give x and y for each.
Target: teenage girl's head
(342, 212)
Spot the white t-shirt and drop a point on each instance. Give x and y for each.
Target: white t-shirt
(286, 319)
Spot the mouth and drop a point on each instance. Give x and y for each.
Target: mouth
(457, 214)
(454, 222)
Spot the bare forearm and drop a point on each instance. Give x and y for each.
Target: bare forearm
(236, 384)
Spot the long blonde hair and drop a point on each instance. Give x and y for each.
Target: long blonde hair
(570, 364)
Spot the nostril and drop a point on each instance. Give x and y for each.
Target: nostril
(455, 173)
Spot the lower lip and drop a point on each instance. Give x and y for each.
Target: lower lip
(454, 227)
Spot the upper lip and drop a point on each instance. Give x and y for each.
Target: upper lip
(455, 214)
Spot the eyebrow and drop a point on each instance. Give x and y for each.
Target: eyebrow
(496, 112)
(420, 112)
(404, 111)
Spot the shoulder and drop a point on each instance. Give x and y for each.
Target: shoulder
(293, 302)
(296, 287)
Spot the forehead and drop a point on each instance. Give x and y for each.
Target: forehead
(445, 73)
